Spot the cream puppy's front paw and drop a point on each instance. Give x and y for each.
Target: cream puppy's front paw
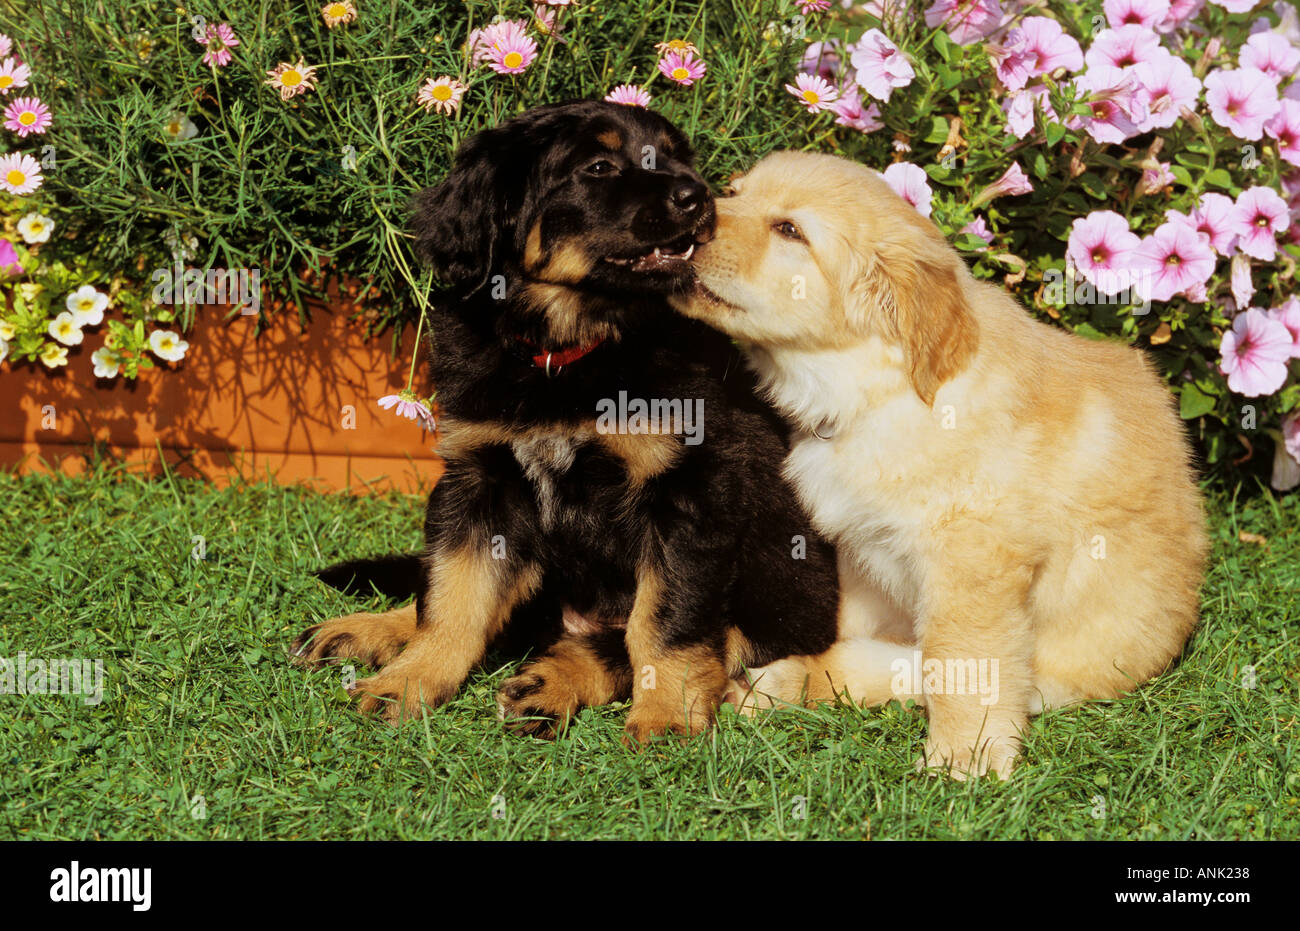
(770, 686)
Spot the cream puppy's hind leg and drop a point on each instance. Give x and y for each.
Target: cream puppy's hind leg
(867, 671)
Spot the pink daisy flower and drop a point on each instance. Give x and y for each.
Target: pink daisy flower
(1261, 215)
(20, 173)
(1172, 260)
(1288, 314)
(26, 115)
(911, 183)
(813, 6)
(630, 95)
(1100, 247)
(291, 79)
(1271, 54)
(218, 39)
(481, 41)
(1241, 101)
(1255, 353)
(850, 112)
(510, 51)
(1038, 46)
(13, 74)
(1165, 85)
(1123, 47)
(1147, 13)
(965, 21)
(6, 45)
(879, 66)
(443, 94)
(1285, 128)
(816, 94)
(410, 407)
(682, 67)
(1109, 93)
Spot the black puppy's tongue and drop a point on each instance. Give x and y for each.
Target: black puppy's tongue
(660, 260)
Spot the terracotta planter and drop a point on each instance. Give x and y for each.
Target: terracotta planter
(294, 404)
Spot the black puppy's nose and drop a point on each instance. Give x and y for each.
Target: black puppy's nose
(689, 196)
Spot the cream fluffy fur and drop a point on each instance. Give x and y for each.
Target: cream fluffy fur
(998, 489)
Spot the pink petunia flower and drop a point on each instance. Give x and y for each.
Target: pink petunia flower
(816, 94)
(965, 21)
(1170, 261)
(1156, 179)
(1240, 282)
(630, 95)
(1123, 47)
(1109, 93)
(1013, 182)
(10, 264)
(218, 39)
(1038, 46)
(1215, 218)
(1100, 247)
(1236, 6)
(1288, 314)
(1255, 353)
(979, 227)
(1019, 107)
(850, 112)
(1285, 128)
(879, 65)
(823, 59)
(1146, 13)
(26, 115)
(6, 45)
(1288, 22)
(1261, 215)
(1241, 101)
(1286, 455)
(1165, 85)
(1271, 54)
(1180, 11)
(911, 183)
(682, 67)
(410, 407)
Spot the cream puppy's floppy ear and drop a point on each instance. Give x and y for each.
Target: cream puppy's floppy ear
(908, 288)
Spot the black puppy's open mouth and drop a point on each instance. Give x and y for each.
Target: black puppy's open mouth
(673, 257)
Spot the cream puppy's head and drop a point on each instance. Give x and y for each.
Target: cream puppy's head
(816, 252)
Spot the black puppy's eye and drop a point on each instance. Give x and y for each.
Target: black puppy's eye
(788, 230)
(602, 166)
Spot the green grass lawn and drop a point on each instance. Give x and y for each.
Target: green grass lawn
(200, 700)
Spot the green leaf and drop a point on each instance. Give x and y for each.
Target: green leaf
(1183, 175)
(1193, 402)
(1218, 178)
(969, 242)
(938, 130)
(1040, 165)
(943, 45)
(1093, 185)
(1089, 331)
(1055, 133)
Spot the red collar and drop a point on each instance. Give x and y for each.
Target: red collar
(553, 361)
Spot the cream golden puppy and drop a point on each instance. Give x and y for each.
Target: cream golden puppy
(1017, 521)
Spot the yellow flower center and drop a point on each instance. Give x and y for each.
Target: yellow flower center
(27, 117)
(174, 127)
(6, 80)
(677, 45)
(85, 303)
(442, 92)
(811, 96)
(35, 227)
(338, 10)
(680, 74)
(15, 178)
(65, 328)
(513, 60)
(166, 343)
(291, 78)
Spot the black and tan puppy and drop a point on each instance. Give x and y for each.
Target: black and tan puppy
(634, 559)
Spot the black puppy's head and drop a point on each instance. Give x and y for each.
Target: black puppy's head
(582, 198)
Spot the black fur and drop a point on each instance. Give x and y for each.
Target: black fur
(720, 525)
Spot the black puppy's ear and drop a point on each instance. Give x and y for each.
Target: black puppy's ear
(462, 224)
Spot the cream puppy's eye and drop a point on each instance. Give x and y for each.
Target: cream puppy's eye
(788, 230)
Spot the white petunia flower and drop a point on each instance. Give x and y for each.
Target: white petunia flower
(64, 328)
(4, 350)
(107, 364)
(168, 345)
(87, 305)
(35, 228)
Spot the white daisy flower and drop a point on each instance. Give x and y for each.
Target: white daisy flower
(35, 228)
(168, 345)
(64, 328)
(87, 305)
(107, 364)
